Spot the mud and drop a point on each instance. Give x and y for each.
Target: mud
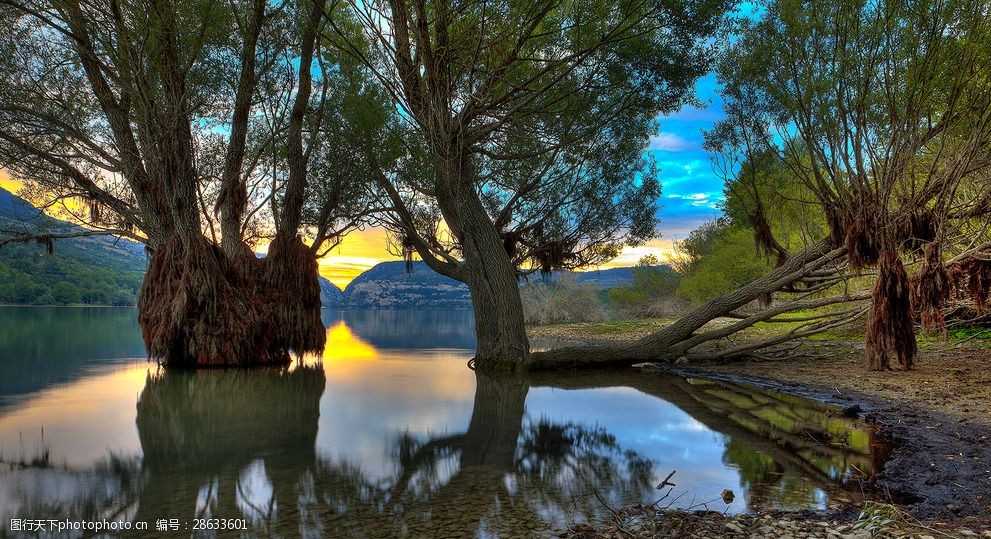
(939, 466)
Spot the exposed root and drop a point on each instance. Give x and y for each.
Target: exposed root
(890, 322)
(972, 277)
(197, 309)
(931, 288)
(292, 290)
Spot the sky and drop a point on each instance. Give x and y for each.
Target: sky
(690, 195)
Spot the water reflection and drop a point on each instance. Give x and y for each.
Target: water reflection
(393, 437)
(65, 341)
(222, 444)
(789, 452)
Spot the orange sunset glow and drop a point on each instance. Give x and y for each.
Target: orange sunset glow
(362, 249)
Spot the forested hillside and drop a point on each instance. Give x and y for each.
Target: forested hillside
(94, 270)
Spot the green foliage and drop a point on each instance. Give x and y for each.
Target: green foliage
(727, 252)
(30, 276)
(544, 109)
(652, 292)
(700, 242)
(728, 262)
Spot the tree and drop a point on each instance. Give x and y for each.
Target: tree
(523, 127)
(193, 127)
(882, 111)
(732, 263)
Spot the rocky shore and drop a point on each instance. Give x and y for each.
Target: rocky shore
(878, 521)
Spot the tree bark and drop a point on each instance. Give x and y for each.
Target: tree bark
(199, 308)
(495, 294)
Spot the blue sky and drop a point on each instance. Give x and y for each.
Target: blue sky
(691, 193)
(691, 190)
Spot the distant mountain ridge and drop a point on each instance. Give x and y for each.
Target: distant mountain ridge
(102, 270)
(96, 270)
(388, 284)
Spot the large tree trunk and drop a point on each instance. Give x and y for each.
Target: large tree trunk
(677, 339)
(197, 308)
(495, 294)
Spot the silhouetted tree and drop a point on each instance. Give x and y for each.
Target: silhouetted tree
(523, 127)
(194, 127)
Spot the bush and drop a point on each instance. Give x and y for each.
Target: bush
(561, 301)
(732, 262)
(651, 294)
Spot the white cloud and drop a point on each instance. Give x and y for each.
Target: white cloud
(670, 142)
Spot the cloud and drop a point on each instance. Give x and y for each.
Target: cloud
(671, 142)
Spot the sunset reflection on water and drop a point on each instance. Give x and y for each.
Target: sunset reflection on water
(386, 434)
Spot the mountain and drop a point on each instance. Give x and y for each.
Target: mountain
(330, 295)
(387, 284)
(604, 279)
(96, 270)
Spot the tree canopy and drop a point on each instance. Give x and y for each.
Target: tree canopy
(522, 128)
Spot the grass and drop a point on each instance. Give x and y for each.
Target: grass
(629, 327)
(959, 338)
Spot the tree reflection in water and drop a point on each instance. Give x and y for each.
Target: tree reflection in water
(791, 452)
(505, 474)
(242, 444)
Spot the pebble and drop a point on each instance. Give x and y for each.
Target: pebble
(706, 525)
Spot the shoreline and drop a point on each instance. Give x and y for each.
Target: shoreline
(937, 419)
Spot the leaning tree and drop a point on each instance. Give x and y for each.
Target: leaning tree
(882, 112)
(522, 128)
(194, 127)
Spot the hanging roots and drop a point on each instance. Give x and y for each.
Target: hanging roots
(971, 279)
(862, 244)
(509, 241)
(407, 252)
(931, 288)
(47, 241)
(836, 221)
(292, 289)
(551, 256)
(196, 308)
(857, 230)
(193, 308)
(921, 228)
(764, 239)
(890, 321)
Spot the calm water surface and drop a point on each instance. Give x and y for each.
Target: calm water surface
(389, 434)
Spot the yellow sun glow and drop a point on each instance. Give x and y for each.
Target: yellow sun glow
(362, 249)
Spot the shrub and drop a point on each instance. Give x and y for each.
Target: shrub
(651, 294)
(561, 301)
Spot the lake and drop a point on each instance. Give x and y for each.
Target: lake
(389, 434)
